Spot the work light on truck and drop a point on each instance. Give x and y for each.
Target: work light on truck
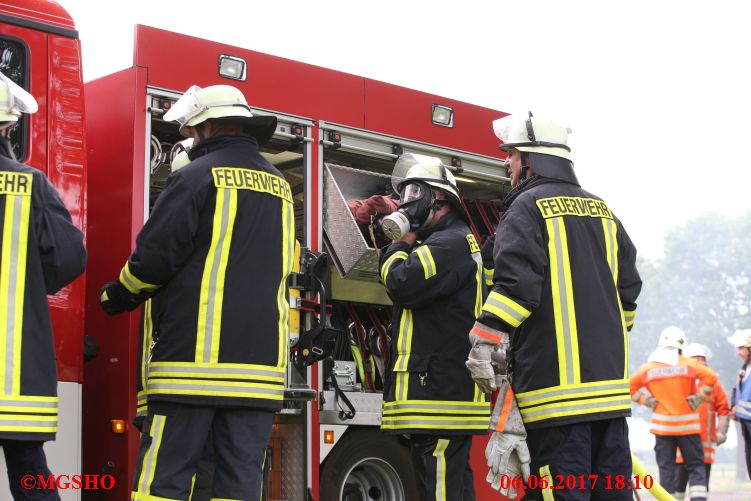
(443, 115)
(232, 67)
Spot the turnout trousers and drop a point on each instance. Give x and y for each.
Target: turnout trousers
(693, 460)
(681, 480)
(567, 452)
(173, 443)
(442, 467)
(26, 457)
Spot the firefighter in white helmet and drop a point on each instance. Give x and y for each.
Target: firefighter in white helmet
(668, 385)
(433, 273)
(217, 250)
(563, 298)
(741, 399)
(42, 253)
(713, 418)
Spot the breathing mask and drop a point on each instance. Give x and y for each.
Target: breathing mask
(416, 208)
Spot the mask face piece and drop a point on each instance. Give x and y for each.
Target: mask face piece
(415, 209)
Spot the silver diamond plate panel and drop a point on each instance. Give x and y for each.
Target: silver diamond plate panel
(354, 257)
(293, 459)
(367, 405)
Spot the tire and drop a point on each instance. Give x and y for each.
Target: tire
(368, 465)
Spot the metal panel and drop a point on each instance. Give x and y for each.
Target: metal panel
(293, 460)
(353, 256)
(368, 407)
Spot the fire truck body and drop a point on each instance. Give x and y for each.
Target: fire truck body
(338, 138)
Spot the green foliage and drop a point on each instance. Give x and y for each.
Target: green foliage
(702, 285)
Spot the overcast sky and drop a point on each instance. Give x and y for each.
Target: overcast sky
(657, 93)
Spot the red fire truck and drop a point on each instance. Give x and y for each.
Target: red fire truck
(107, 149)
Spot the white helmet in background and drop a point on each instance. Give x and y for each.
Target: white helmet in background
(220, 102)
(697, 350)
(14, 100)
(179, 154)
(741, 338)
(672, 337)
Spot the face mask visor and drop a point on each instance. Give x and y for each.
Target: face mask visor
(411, 192)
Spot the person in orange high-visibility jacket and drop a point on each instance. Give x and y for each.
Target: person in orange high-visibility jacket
(670, 379)
(713, 418)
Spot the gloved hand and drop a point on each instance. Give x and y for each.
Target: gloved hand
(485, 343)
(114, 298)
(695, 400)
(650, 401)
(507, 455)
(722, 430)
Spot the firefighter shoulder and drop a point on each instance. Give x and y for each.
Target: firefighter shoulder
(741, 339)
(546, 240)
(43, 252)
(218, 217)
(670, 379)
(437, 288)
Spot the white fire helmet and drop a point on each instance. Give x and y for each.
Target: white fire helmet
(179, 154)
(14, 100)
(415, 167)
(218, 101)
(741, 338)
(534, 135)
(697, 350)
(672, 337)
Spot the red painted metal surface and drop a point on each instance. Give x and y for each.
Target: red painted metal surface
(116, 135)
(41, 11)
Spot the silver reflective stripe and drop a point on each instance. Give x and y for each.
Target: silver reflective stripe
(436, 406)
(697, 491)
(666, 427)
(610, 233)
(30, 421)
(562, 408)
(563, 315)
(406, 327)
(209, 333)
(673, 419)
(440, 469)
(161, 387)
(10, 308)
(480, 422)
(526, 399)
(149, 460)
(157, 369)
(506, 309)
(28, 403)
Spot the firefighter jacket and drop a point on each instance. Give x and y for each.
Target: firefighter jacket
(217, 249)
(715, 407)
(42, 252)
(565, 287)
(742, 394)
(437, 290)
(670, 385)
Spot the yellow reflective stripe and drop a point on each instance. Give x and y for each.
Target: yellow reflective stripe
(132, 283)
(576, 407)
(150, 458)
(215, 371)
(506, 309)
(139, 496)
(547, 493)
(12, 288)
(404, 341)
(440, 469)
(28, 423)
(239, 389)
(426, 258)
(288, 252)
(402, 385)
(212, 282)
(581, 390)
(488, 273)
(610, 230)
(478, 297)
(147, 337)
(564, 309)
(436, 406)
(390, 261)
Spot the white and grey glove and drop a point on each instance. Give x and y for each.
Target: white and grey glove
(722, 430)
(507, 455)
(650, 402)
(695, 400)
(485, 352)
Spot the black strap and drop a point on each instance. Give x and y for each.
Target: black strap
(339, 395)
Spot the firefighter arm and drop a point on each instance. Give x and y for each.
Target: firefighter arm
(639, 393)
(708, 379)
(488, 265)
(61, 248)
(629, 281)
(723, 410)
(415, 276)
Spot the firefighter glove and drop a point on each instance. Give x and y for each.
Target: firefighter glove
(650, 402)
(695, 400)
(722, 430)
(114, 298)
(484, 355)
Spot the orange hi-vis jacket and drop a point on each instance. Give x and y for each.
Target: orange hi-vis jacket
(670, 385)
(715, 407)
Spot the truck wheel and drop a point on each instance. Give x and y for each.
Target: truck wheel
(367, 465)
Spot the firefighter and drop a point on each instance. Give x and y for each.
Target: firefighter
(42, 252)
(713, 418)
(563, 298)
(217, 250)
(672, 394)
(741, 400)
(433, 272)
